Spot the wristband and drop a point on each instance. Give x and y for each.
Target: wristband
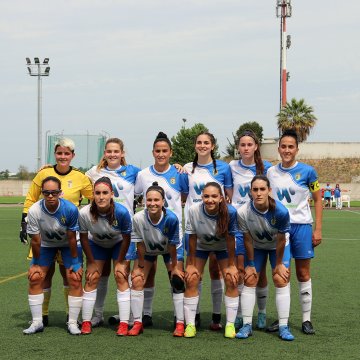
(251, 263)
(35, 261)
(75, 264)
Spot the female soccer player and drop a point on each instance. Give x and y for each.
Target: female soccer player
(205, 168)
(291, 182)
(73, 184)
(52, 224)
(264, 223)
(105, 228)
(122, 176)
(212, 228)
(174, 183)
(242, 172)
(156, 232)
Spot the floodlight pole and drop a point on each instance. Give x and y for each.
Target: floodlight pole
(39, 73)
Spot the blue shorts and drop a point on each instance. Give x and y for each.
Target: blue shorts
(260, 256)
(48, 254)
(103, 254)
(301, 241)
(204, 254)
(240, 248)
(167, 257)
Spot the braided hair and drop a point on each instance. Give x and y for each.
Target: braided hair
(213, 142)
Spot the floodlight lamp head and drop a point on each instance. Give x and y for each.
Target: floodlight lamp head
(287, 76)
(36, 60)
(29, 70)
(28, 61)
(47, 70)
(46, 60)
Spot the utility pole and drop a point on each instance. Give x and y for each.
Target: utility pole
(37, 70)
(184, 120)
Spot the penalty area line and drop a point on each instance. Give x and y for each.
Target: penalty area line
(13, 277)
(352, 211)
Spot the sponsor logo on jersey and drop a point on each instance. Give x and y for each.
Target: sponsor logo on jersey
(244, 191)
(215, 172)
(201, 222)
(273, 221)
(285, 194)
(63, 220)
(264, 235)
(251, 220)
(212, 238)
(115, 223)
(166, 230)
(172, 180)
(297, 176)
(198, 189)
(123, 173)
(69, 184)
(52, 235)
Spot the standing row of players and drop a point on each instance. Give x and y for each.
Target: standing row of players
(291, 182)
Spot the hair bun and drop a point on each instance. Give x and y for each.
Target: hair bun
(155, 183)
(291, 132)
(161, 135)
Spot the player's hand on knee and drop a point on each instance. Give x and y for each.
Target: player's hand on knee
(91, 270)
(121, 270)
(282, 271)
(34, 269)
(232, 272)
(190, 271)
(178, 272)
(77, 271)
(250, 271)
(138, 273)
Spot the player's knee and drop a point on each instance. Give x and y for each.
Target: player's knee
(120, 279)
(228, 282)
(35, 280)
(303, 275)
(177, 285)
(279, 282)
(251, 281)
(192, 282)
(137, 283)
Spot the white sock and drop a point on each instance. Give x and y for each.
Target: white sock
(74, 308)
(190, 305)
(262, 295)
(178, 300)
(35, 302)
(123, 299)
(240, 289)
(231, 306)
(305, 292)
(217, 294)
(247, 304)
(137, 304)
(129, 281)
(283, 304)
(172, 296)
(200, 286)
(102, 289)
(148, 300)
(89, 299)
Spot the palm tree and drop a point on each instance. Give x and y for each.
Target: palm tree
(297, 115)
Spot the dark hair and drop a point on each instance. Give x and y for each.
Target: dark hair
(272, 203)
(51, 178)
(260, 168)
(213, 142)
(162, 137)
(292, 133)
(223, 218)
(155, 187)
(93, 207)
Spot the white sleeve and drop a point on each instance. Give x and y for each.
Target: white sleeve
(241, 222)
(82, 224)
(32, 224)
(91, 174)
(135, 234)
(138, 189)
(189, 227)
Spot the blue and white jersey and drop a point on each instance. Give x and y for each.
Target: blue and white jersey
(123, 182)
(53, 227)
(264, 227)
(242, 176)
(201, 176)
(101, 232)
(173, 184)
(204, 226)
(156, 237)
(291, 186)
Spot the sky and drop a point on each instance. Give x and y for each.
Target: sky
(134, 68)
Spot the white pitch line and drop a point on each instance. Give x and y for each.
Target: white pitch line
(340, 239)
(353, 212)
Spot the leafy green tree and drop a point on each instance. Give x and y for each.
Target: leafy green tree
(183, 145)
(23, 173)
(6, 174)
(297, 115)
(254, 126)
(230, 147)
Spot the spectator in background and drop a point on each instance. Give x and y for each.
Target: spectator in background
(337, 194)
(327, 195)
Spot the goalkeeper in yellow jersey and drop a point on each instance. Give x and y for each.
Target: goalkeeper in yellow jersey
(74, 183)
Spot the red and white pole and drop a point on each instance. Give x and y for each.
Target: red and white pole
(284, 56)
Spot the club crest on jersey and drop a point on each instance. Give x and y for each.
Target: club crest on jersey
(69, 183)
(63, 220)
(172, 180)
(215, 172)
(273, 221)
(123, 173)
(115, 223)
(297, 176)
(166, 230)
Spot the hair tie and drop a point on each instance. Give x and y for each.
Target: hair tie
(103, 184)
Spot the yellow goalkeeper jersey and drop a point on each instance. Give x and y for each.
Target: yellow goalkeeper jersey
(73, 183)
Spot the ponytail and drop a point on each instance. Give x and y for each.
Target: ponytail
(223, 218)
(212, 153)
(103, 162)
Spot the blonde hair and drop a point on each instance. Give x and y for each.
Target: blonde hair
(65, 142)
(103, 162)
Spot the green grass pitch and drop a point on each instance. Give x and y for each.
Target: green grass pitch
(335, 314)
